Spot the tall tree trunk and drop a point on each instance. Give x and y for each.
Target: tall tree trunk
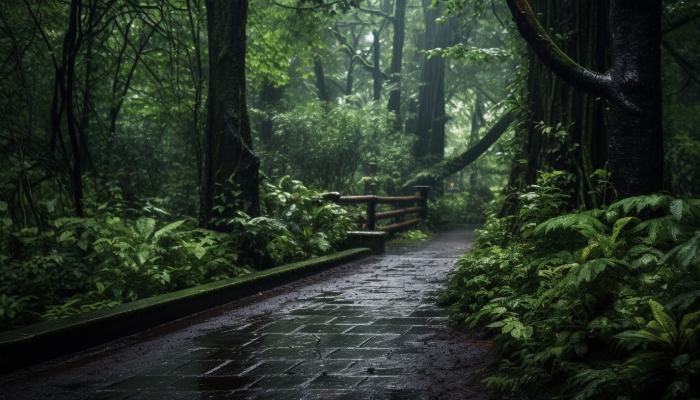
(65, 90)
(86, 114)
(399, 23)
(321, 81)
(457, 162)
(230, 165)
(376, 67)
(554, 102)
(269, 98)
(632, 87)
(430, 124)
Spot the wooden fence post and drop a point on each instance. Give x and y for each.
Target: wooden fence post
(423, 192)
(372, 214)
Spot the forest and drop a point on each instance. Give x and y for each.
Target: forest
(152, 146)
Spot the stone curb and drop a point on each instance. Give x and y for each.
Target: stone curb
(51, 339)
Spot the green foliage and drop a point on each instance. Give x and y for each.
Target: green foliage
(328, 146)
(116, 255)
(412, 235)
(466, 53)
(566, 297)
(466, 207)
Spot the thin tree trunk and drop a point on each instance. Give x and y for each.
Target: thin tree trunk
(376, 70)
(321, 81)
(399, 23)
(269, 98)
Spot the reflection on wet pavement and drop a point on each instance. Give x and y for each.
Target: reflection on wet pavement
(351, 333)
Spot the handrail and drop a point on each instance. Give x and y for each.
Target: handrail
(397, 213)
(420, 206)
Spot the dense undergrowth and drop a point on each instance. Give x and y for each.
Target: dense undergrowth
(468, 207)
(605, 300)
(122, 254)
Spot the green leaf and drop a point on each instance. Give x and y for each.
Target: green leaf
(680, 360)
(676, 208)
(590, 270)
(687, 320)
(199, 252)
(619, 225)
(168, 228)
(675, 388)
(145, 226)
(663, 319)
(64, 236)
(3, 206)
(685, 254)
(642, 337)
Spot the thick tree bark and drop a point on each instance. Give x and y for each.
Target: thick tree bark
(230, 165)
(633, 87)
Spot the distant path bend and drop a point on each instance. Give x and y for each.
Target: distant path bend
(366, 330)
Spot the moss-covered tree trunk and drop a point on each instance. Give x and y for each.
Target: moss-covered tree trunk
(632, 87)
(585, 34)
(230, 181)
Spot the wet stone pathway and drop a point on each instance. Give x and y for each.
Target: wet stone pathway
(366, 330)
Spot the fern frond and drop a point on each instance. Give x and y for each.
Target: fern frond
(640, 203)
(594, 383)
(569, 221)
(683, 300)
(685, 254)
(168, 228)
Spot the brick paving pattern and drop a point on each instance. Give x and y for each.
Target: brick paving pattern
(360, 331)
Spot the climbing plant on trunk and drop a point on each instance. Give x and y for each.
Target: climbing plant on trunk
(230, 180)
(632, 87)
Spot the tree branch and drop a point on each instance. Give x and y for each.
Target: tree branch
(377, 13)
(688, 14)
(350, 51)
(553, 57)
(682, 62)
(458, 162)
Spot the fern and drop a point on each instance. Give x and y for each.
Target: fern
(640, 203)
(686, 254)
(569, 221)
(594, 383)
(168, 229)
(683, 300)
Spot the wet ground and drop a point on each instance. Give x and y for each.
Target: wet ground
(366, 330)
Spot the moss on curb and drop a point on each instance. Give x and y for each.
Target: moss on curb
(51, 339)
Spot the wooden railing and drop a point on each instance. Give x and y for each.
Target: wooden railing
(419, 206)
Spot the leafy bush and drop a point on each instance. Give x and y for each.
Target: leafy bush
(329, 146)
(119, 254)
(467, 207)
(567, 297)
(412, 235)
